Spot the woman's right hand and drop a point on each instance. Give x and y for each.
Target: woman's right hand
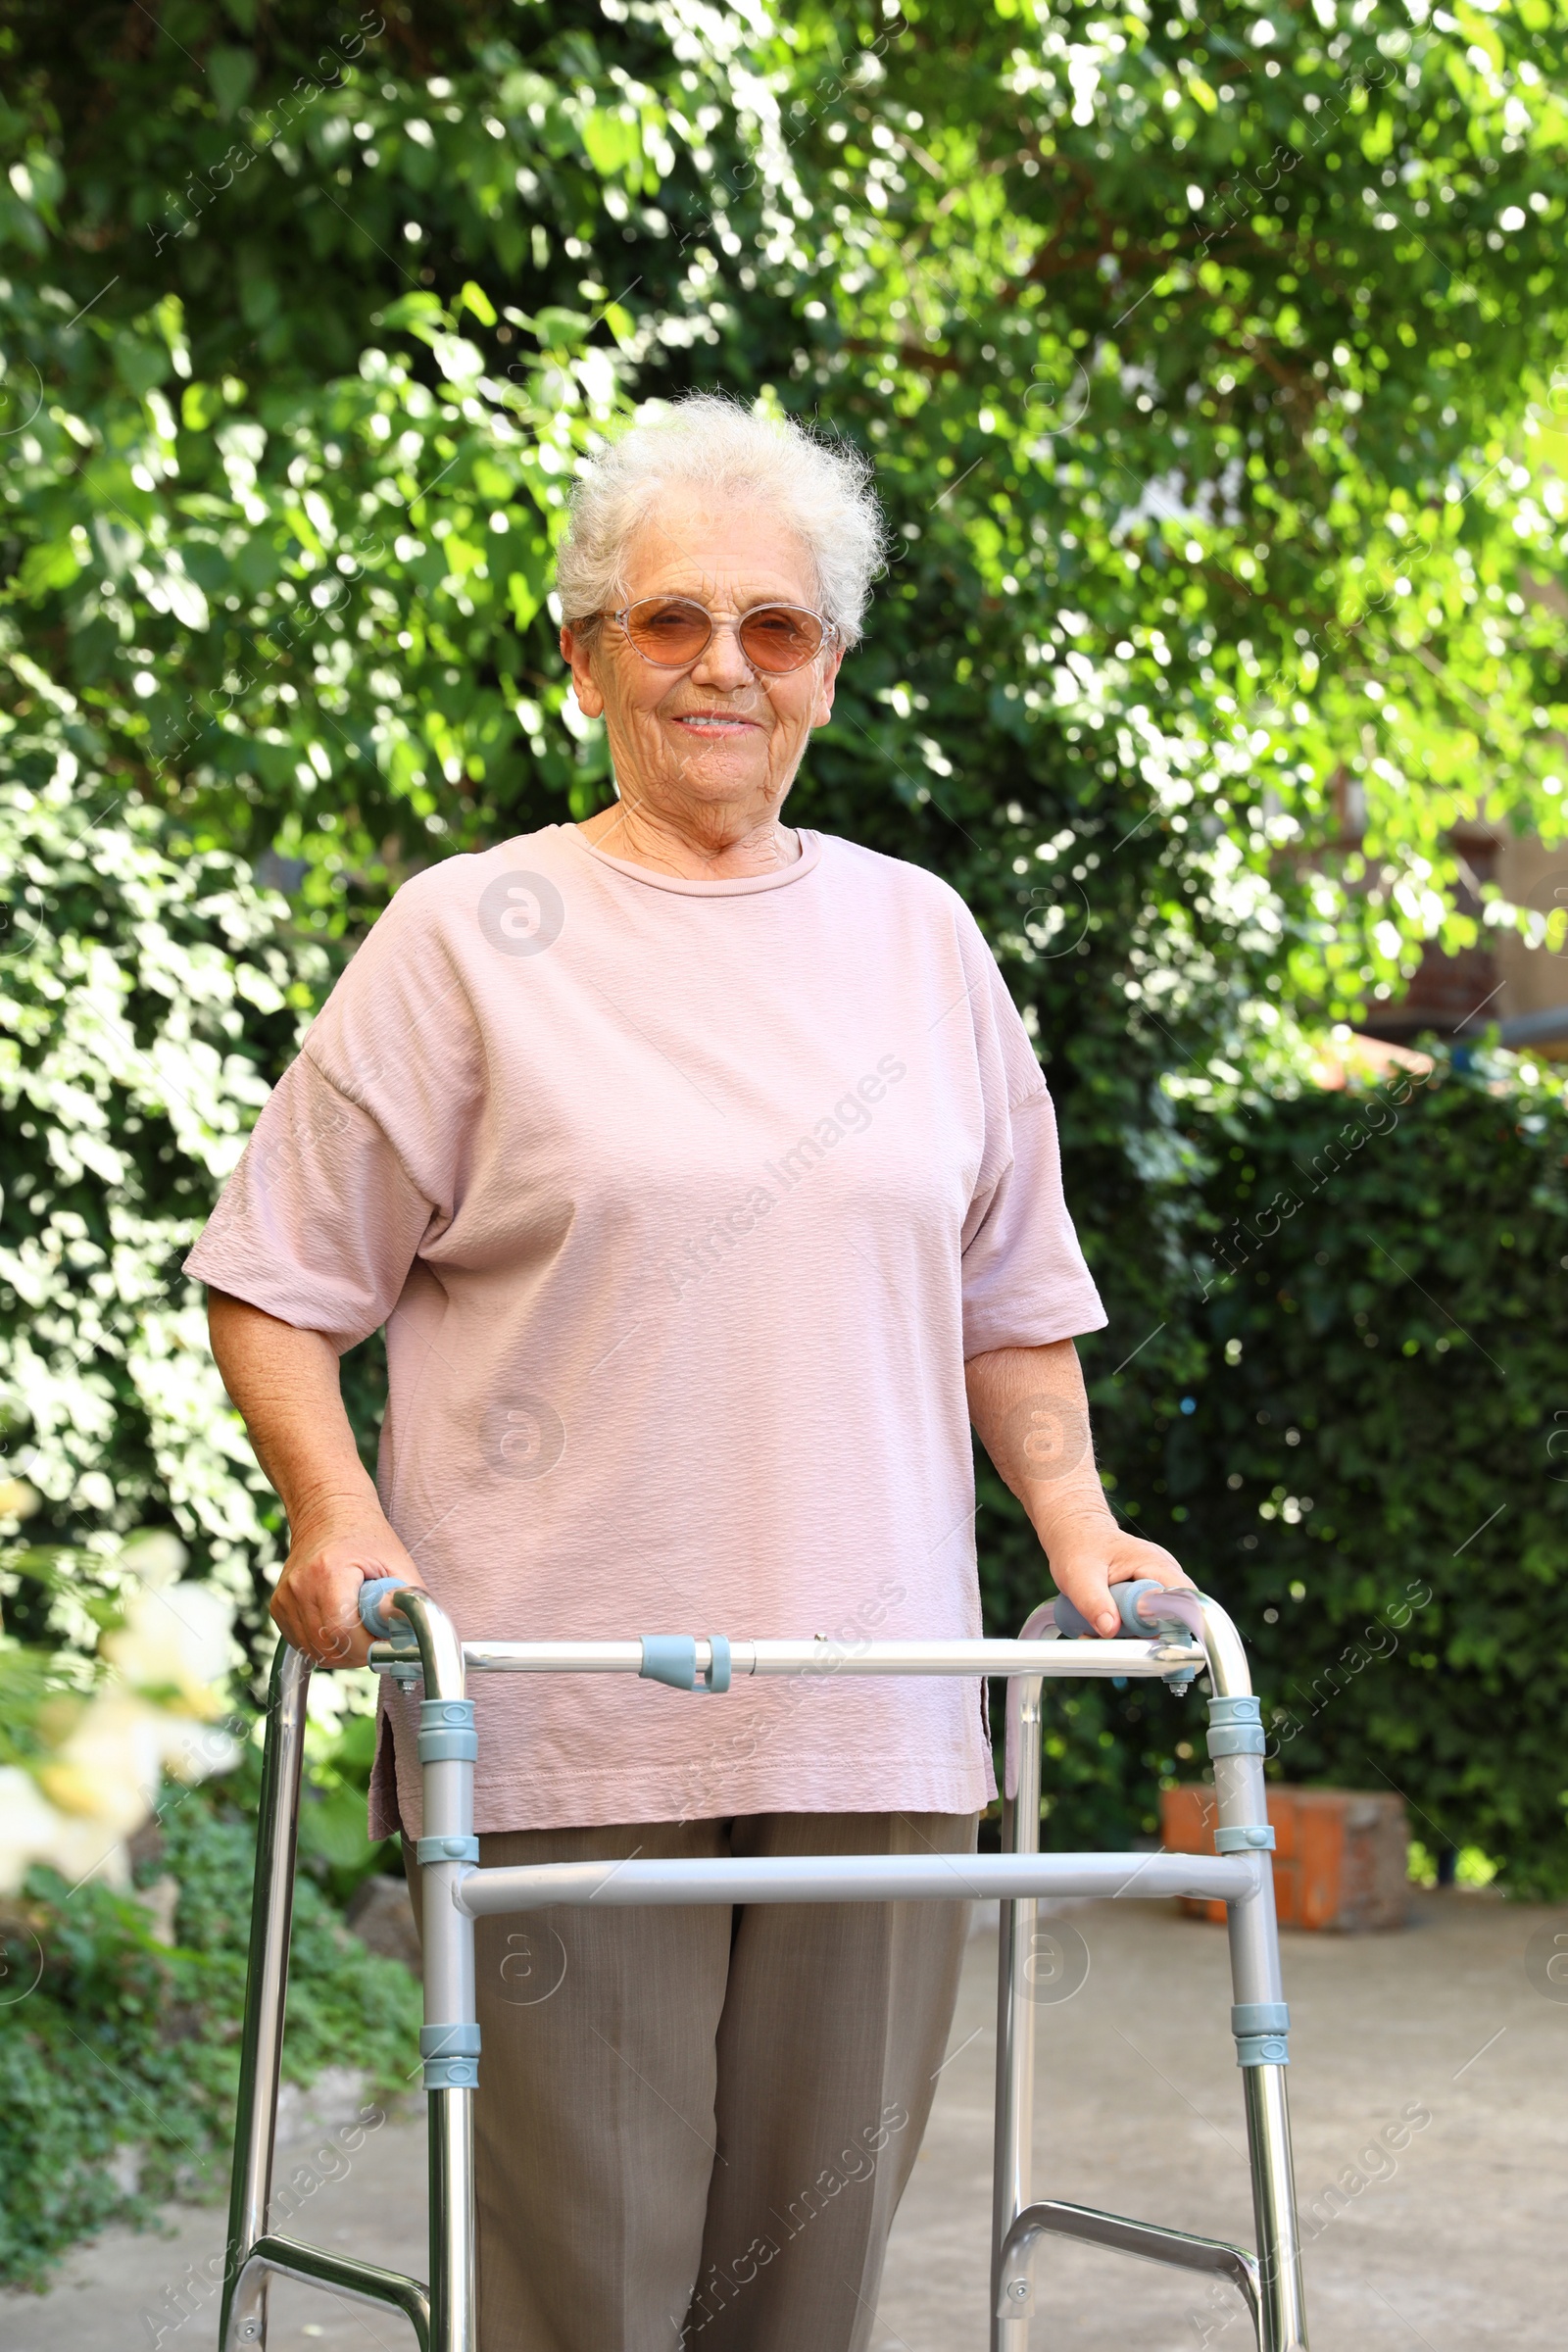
(315, 1604)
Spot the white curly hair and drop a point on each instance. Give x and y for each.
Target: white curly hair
(708, 441)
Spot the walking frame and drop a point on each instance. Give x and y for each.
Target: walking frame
(1166, 1635)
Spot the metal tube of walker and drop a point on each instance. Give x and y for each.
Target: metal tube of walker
(449, 2041)
(1149, 1659)
(1259, 2019)
(1011, 2182)
(852, 1879)
(243, 2319)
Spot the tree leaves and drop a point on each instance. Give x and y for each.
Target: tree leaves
(1210, 365)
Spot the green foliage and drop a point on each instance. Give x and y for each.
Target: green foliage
(150, 994)
(1281, 436)
(1215, 373)
(333, 1844)
(126, 2042)
(297, 619)
(1362, 1459)
(288, 562)
(1398, 1363)
(1224, 487)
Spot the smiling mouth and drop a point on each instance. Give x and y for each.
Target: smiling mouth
(712, 723)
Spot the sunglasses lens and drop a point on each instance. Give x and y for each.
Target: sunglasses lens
(780, 637)
(668, 631)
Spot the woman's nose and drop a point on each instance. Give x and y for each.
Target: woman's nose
(722, 664)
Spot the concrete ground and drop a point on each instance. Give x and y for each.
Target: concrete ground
(1450, 2035)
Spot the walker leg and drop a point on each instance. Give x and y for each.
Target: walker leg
(244, 2304)
(1015, 2019)
(454, 2314)
(1271, 2282)
(1283, 2314)
(1259, 2020)
(448, 2039)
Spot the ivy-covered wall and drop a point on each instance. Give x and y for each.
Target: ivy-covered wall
(1361, 1448)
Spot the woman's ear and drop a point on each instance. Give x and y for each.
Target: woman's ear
(577, 652)
(824, 709)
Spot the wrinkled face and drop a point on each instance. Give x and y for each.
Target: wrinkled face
(718, 734)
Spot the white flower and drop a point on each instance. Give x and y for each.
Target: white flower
(88, 1850)
(109, 1768)
(32, 1830)
(29, 1827)
(194, 1751)
(18, 1500)
(156, 1554)
(109, 1756)
(175, 1640)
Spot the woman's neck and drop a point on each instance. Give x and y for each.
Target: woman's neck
(707, 847)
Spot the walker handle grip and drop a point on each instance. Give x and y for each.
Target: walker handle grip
(373, 1592)
(1166, 1608)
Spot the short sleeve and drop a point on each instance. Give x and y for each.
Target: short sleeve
(320, 1222)
(356, 1161)
(1025, 1283)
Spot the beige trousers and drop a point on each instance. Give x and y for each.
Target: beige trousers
(693, 2126)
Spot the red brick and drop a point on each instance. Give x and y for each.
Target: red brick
(1340, 1860)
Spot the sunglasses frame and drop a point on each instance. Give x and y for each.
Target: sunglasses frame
(715, 623)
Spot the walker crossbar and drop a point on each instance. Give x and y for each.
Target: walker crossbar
(856, 1879)
(361, 2281)
(1148, 2239)
(1048, 1659)
(1167, 1635)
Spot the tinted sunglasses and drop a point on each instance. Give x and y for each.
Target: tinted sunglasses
(674, 631)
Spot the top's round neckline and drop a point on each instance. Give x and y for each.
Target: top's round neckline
(735, 886)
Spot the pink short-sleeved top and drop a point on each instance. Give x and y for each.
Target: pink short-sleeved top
(683, 1205)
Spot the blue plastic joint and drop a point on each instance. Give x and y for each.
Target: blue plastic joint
(452, 2073)
(1074, 1626)
(1254, 1838)
(1261, 2029)
(1260, 2017)
(449, 2041)
(450, 2055)
(672, 1658)
(447, 1849)
(446, 1732)
(396, 1629)
(1235, 1727)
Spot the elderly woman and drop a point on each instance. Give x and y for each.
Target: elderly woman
(704, 1179)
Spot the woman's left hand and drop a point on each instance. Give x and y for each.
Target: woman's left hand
(1087, 1561)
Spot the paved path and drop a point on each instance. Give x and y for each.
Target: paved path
(1455, 2247)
